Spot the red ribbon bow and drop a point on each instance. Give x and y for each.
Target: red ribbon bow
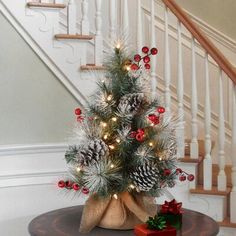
(172, 207)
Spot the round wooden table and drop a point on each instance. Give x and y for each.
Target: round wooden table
(66, 221)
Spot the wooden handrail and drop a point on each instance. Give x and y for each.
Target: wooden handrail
(205, 42)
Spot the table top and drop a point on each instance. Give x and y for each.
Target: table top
(66, 222)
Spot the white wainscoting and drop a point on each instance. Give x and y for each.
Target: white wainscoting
(28, 185)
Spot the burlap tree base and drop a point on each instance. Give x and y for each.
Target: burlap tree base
(121, 214)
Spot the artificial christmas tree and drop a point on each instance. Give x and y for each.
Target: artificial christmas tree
(126, 149)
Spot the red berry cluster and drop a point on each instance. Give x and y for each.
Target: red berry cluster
(183, 175)
(70, 185)
(138, 135)
(155, 119)
(146, 58)
(78, 113)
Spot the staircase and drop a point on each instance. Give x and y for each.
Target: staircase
(194, 77)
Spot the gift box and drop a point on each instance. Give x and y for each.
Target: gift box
(142, 230)
(172, 212)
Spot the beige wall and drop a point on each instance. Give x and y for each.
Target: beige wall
(221, 14)
(34, 106)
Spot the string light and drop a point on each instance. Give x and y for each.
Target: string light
(112, 147)
(160, 159)
(118, 140)
(118, 45)
(105, 136)
(151, 144)
(104, 124)
(114, 119)
(112, 165)
(78, 169)
(109, 97)
(132, 186)
(115, 196)
(128, 68)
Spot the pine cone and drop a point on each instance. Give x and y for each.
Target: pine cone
(95, 151)
(145, 177)
(130, 102)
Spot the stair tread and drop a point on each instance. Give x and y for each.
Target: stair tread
(46, 5)
(73, 36)
(92, 67)
(187, 159)
(214, 191)
(226, 223)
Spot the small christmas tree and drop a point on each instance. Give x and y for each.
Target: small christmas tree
(127, 142)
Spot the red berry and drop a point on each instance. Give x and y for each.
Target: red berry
(132, 134)
(146, 59)
(167, 172)
(182, 178)
(147, 66)
(85, 190)
(139, 137)
(154, 51)
(140, 131)
(161, 110)
(61, 184)
(190, 177)
(78, 111)
(137, 57)
(68, 184)
(145, 49)
(178, 171)
(80, 118)
(76, 187)
(134, 67)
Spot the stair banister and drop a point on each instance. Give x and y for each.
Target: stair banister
(125, 18)
(180, 94)
(206, 43)
(194, 107)
(233, 157)
(167, 69)
(207, 164)
(71, 17)
(85, 20)
(139, 29)
(98, 36)
(112, 16)
(221, 181)
(153, 44)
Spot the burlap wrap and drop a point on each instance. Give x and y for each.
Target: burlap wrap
(122, 213)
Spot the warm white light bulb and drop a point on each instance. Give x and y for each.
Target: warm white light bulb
(105, 136)
(160, 159)
(115, 196)
(151, 144)
(118, 140)
(132, 186)
(114, 119)
(109, 97)
(104, 124)
(112, 166)
(78, 169)
(118, 45)
(111, 147)
(128, 68)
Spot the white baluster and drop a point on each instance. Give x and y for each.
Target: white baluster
(153, 44)
(194, 107)
(71, 17)
(85, 20)
(180, 92)
(125, 22)
(98, 37)
(221, 138)
(167, 64)
(233, 158)
(207, 164)
(139, 27)
(112, 19)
